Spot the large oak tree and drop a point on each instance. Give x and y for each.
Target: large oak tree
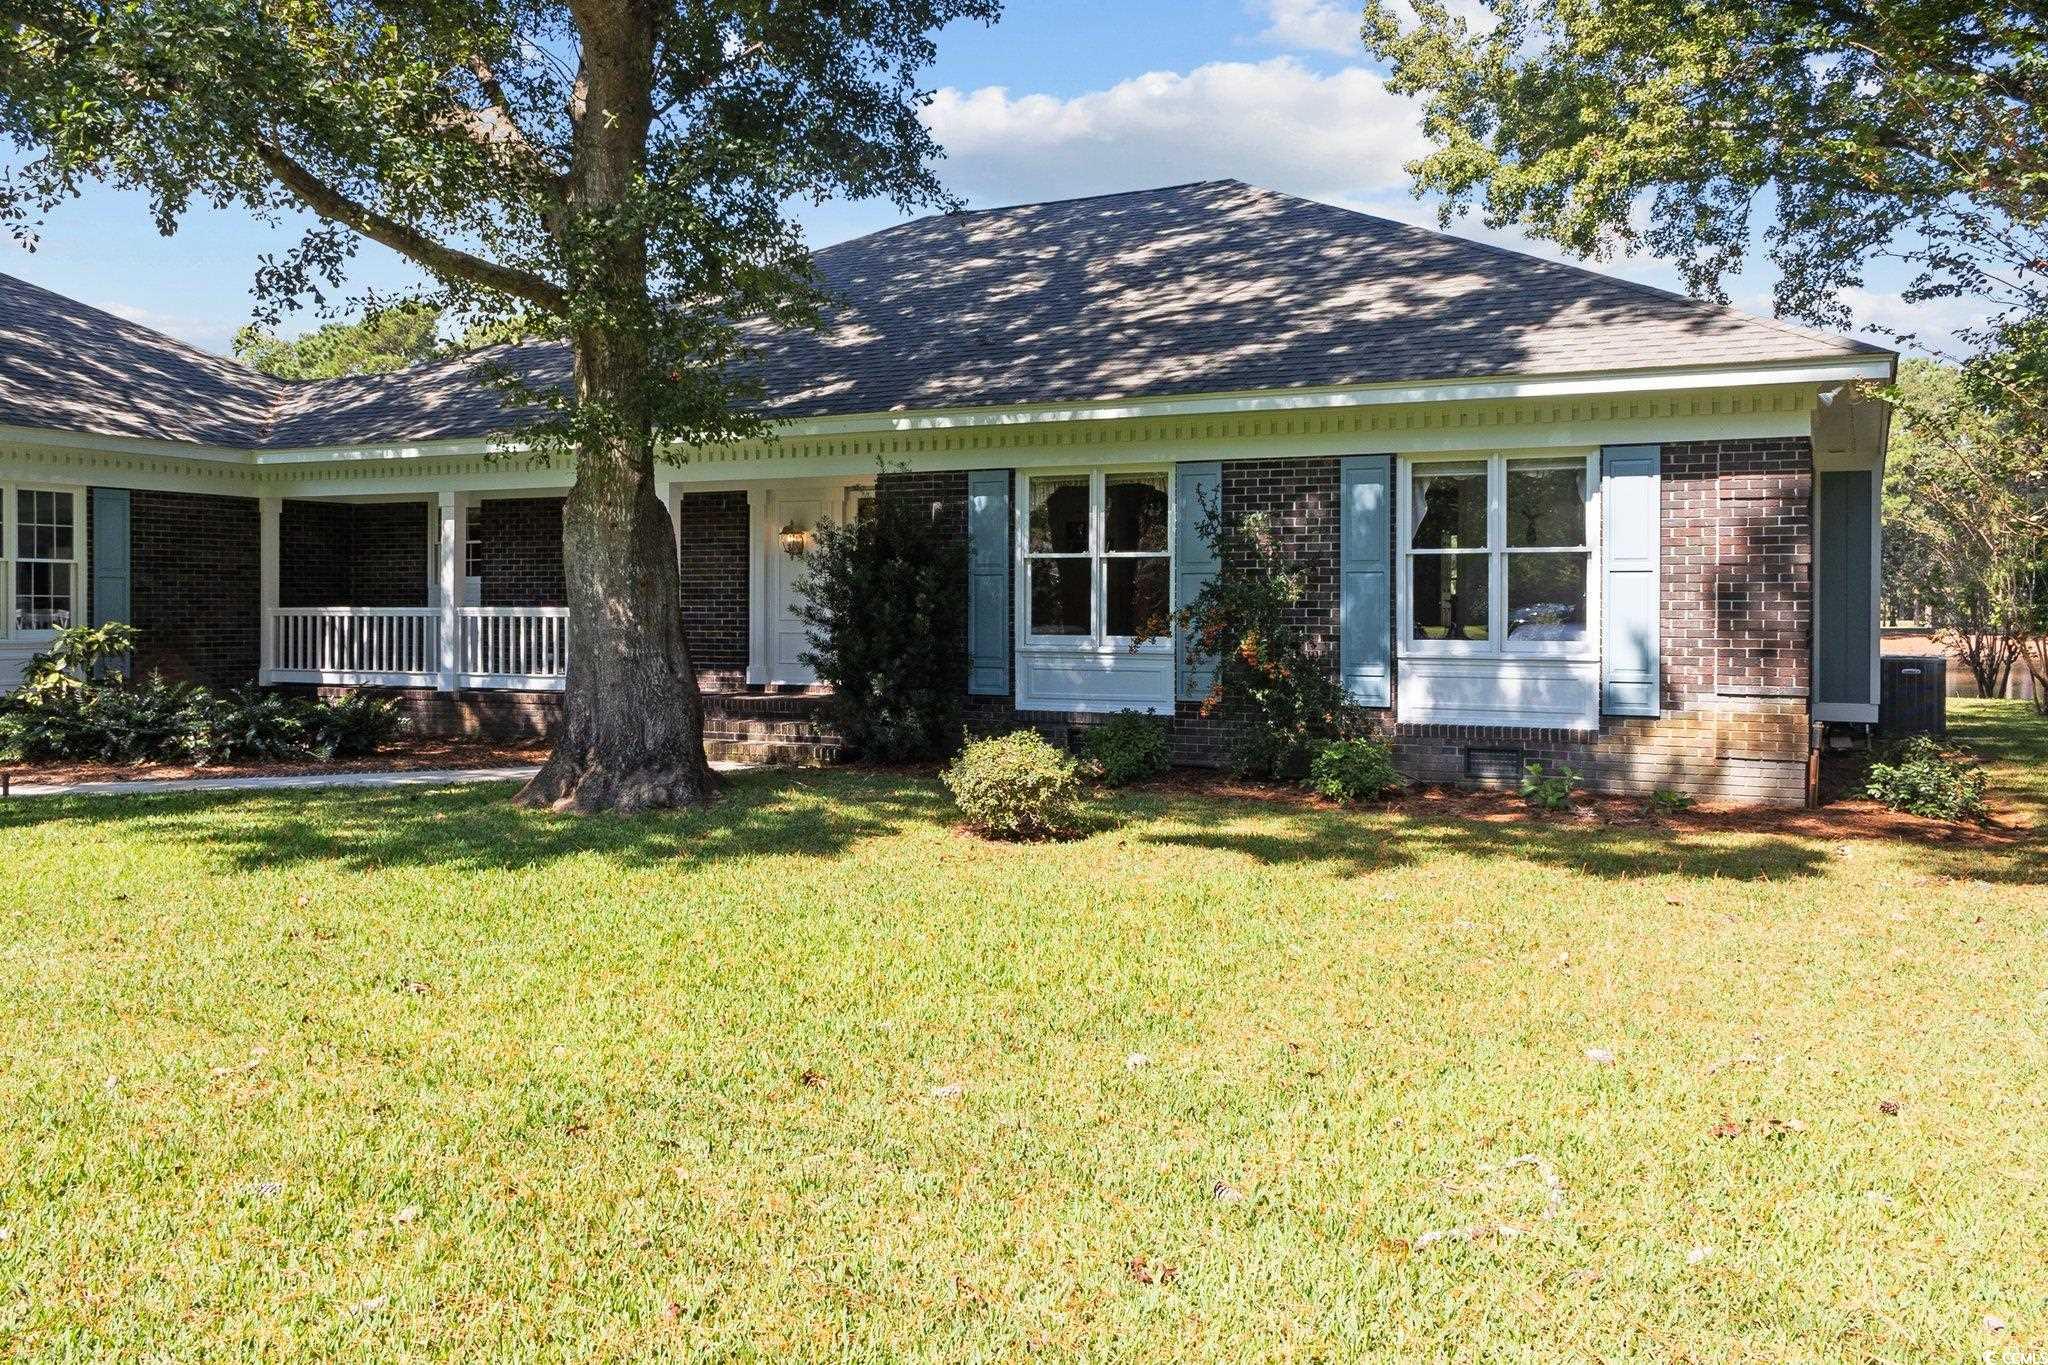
(1830, 133)
(616, 173)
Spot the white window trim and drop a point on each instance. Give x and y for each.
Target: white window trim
(10, 555)
(1095, 642)
(1496, 647)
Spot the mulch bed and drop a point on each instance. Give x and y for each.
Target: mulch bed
(412, 755)
(1840, 819)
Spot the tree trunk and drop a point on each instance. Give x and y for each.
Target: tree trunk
(632, 734)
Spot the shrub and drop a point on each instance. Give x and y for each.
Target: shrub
(1354, 770)
(1916, 776)
(888, 620)
(73, 706)
(1015, 786)
(1244, 622)
(1666, 801)
(1128, 747)
(79, 656)
(1551, 791)
(358, 724)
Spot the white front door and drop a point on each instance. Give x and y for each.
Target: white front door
(786, 639)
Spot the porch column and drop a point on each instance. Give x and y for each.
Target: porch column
(269, 514)
(452, 507)
(672, 498)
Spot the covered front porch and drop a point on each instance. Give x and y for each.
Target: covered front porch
(461, 591)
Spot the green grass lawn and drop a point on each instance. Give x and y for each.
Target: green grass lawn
(398, 1075)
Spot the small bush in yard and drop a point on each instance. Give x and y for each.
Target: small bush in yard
(1015, 786)
(1128, 747)
(1354, 770)
(1549, 791)
(1917, 777)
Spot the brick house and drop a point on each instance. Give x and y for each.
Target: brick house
(1543, 513)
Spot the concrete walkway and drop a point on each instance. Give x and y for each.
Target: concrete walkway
(146, 786)
(426, 777)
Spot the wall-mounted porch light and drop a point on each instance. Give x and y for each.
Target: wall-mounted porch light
(795, 539)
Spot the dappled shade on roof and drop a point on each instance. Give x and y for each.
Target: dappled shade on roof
(1217, 287)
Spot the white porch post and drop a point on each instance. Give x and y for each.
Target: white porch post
(269, 513)
(448, 565)
(757, 585)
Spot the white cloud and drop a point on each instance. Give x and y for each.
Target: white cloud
(1311, 26)
(1274, 123)
(208, 333)
(1932, 322)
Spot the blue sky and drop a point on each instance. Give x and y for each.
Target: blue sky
(1062, 98)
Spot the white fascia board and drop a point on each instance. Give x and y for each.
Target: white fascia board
(1373, 395)
(419, 450)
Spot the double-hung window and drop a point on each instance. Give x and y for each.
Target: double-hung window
(43, 533)
(1499, 556)
(1097, 567)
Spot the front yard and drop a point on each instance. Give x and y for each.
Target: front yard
(398, 1075)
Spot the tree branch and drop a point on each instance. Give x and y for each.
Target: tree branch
(497, 128)
(330, 203)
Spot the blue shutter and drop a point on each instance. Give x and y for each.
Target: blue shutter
(1366, 614)
(1629, 541)
(1197, 490)
(111, 598)
(988, 582)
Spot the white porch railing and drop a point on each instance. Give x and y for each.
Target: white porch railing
(356, 646)
(522, 647)
(495, 647)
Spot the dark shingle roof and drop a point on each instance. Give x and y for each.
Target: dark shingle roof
(67, 367)
(1204, 288)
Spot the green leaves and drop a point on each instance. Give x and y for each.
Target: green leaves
(1831, 135)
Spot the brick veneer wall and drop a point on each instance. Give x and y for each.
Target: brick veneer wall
(1736, 621)
(522, 552)
(715, 549)
(313, 554)
(1737, 566)
(339, 554)
(1301, 501)
(391, 556)
(1735, 626)
(194, 590)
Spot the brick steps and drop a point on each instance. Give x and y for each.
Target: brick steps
(781, 728)
(786, 753)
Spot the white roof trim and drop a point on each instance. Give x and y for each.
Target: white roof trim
(1603, 383)
(1507, 388)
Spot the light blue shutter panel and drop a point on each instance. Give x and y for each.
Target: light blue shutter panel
(988, 582)
(1366, 609)
(1197, 488)
(1629, 540)
(111, 597)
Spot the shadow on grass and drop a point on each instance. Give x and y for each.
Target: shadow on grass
(1357, 844)
(476, 828)
(824, 814)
